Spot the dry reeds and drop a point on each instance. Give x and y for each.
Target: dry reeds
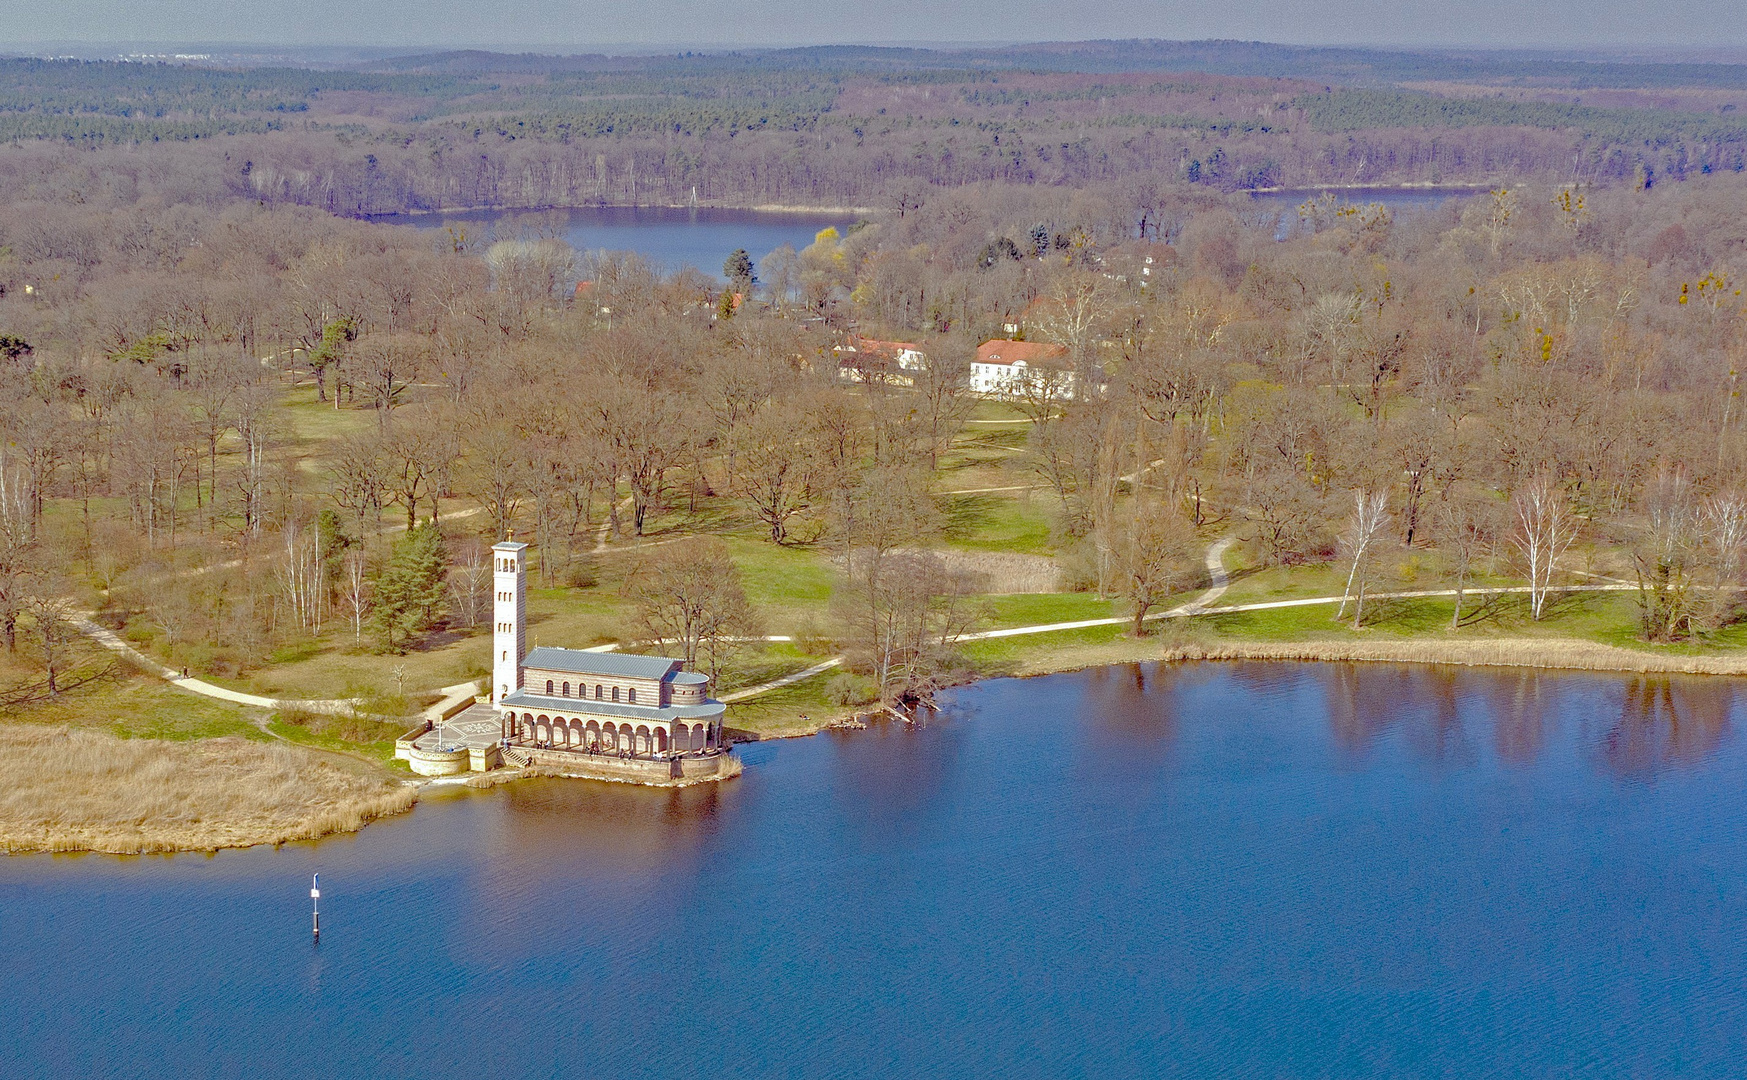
(1570, 654)
(70, 790)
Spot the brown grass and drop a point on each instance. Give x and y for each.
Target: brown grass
(69, 790)
(1567, 653)
(1004, 571)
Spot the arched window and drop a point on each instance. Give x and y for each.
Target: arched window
(633, 695)
(548, 687)
(566, 689)
(615, 693)
(597, 691)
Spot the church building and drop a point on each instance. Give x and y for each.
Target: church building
(592, 703)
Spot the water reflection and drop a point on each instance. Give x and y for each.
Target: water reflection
(1436, 729)
(1362, 702)
(1138, 871)
(908, 769)
(547, 825)
(1128, 727)
(1665, 723)
(1523, 714)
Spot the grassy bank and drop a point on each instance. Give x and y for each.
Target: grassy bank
(83, 790)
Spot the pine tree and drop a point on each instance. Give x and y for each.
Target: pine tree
(738, 269)
(409, 592)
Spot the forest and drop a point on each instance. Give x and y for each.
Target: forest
(859, 127)
(268, 444)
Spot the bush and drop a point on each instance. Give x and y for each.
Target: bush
(813, 641)
(847, 689)
(580, 574)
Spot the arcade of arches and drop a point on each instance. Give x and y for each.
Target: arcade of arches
(607, 736)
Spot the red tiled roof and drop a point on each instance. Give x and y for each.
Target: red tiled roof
(869, 345)
(1000, 351)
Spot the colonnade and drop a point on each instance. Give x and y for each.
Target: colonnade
(578, 733)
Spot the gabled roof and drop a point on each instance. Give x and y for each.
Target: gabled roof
(612, 665)
(871, 345)
(1000, 351)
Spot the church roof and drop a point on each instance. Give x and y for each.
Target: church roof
(621, 665)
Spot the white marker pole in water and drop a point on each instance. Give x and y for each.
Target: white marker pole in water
(315, 904)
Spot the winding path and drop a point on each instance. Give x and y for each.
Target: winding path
(1218, 582)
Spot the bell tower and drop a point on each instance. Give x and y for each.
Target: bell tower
(509, 617)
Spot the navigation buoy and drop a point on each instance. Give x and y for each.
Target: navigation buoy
(315, 905)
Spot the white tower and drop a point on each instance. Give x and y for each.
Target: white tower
(509, 617)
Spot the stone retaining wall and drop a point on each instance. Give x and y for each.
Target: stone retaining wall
(438, 762)
(655, 773)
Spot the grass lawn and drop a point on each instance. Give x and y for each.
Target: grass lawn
(1001, 656)
(997, 521)
(779, 712)
(1032, 609)
(1605, 618)
(136, 706)
(380, 750)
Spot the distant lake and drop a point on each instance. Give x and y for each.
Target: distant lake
(1284, 204)
(1393, 196)
(1246, 870)
(669, 237)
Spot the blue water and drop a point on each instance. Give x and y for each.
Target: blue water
(670, 238)
(1222, 870)
(1283, 205)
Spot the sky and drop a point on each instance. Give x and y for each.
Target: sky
(581, 25)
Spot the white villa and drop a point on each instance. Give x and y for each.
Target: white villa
(895, 362)
(1010, 369)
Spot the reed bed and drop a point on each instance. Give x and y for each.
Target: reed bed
(1567, 653)
(1004, 571)
(73, 790)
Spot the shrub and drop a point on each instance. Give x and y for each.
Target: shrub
(580, 574)
(845, 688)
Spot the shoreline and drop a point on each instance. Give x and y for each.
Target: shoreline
(790, 209)
(1539, 654)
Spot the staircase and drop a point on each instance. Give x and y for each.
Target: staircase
(517, 758)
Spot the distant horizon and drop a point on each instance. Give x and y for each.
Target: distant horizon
(1620, 52)
(662, 25)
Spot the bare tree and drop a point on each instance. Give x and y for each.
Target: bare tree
(689, 595)
(903, 613)
(470, 586)
(17, 546)
(1463, 527)
(1545, 529)
(1723, 524)
(49, 616)
(355, 588)
(1663, 558)
(778, 465)
(1361, 538)
(303, 582)
(1156, 557)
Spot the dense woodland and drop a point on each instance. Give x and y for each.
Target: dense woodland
(856, 127)
(236, 425)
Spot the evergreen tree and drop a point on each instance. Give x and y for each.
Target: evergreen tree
(409, 591)
(738, 269)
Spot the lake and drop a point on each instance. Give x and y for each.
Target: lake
(1283, 204)
(1209, 870)
(669, 237)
